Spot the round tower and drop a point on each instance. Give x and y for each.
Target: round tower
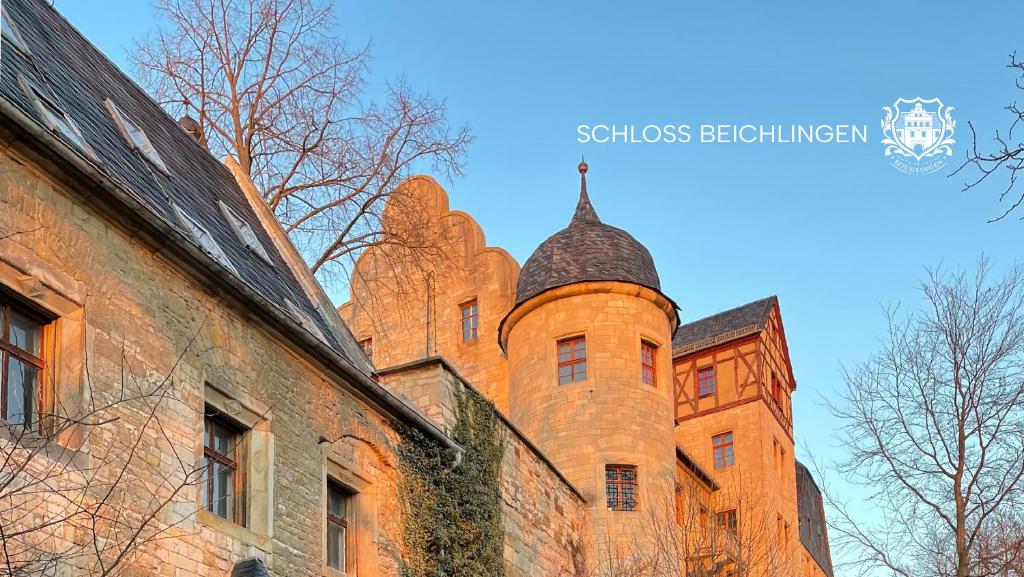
(589, 344)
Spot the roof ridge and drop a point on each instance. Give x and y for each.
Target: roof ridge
(735, 308)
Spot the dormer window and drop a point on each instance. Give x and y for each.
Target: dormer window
(54, 116)
(572, 360)
(10, 32)
(204, 238)
(135, 136)
(245, 232)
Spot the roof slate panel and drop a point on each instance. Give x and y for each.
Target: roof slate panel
(79, 78)
(754, 314)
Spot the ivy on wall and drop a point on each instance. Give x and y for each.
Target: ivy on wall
(453, 515)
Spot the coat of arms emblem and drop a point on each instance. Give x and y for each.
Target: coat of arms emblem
(918, 134)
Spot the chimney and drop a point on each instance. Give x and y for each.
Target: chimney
(191, 126)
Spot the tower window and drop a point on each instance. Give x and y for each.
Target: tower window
(367, 345)
(572, 360)
(21, 361)
(223, 487)
(339, 502)
(728, 520)
(620, 487)
(647, 355)
(470, 320)
(722, 450)
(706, 381)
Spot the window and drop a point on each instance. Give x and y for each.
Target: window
(10, 32)
(339, 502)
(705, 381)
(620, 487)
(54, 116)
(223, 487)
(245, 233)
(722, 450)
(204, 238)
(728, 520)
(470, 320)
(135, 136)
(572, 360)
(367, 346)
(21, 363)
(647, 356)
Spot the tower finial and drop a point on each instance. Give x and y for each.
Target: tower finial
(584, 210)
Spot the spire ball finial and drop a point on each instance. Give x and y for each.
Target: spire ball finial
(583, 167)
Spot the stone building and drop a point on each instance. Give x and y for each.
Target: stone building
(181, 385)
(678, 437)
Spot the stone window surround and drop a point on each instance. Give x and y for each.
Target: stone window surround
(361, 535)
(257, 450)
(64, 338)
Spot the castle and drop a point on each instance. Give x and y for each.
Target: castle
(180, 397)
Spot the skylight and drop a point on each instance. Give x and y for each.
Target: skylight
(54, 116)
(135, 136)
(245, 233)
(204, 238)
(10, 32)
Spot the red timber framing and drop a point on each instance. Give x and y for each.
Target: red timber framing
(752, 368)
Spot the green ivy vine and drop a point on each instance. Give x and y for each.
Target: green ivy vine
(452, 515)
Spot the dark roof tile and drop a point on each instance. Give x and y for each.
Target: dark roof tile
(723, 326)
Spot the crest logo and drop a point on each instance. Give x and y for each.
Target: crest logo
(918, 134)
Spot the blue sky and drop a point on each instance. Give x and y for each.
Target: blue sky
(833, 230)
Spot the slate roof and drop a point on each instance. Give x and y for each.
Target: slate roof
(811, 516)
(253, 567)
(79, 78)
(586, 250)
(723, 326)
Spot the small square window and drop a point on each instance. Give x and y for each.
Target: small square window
(367, 346)
(620, 487)
(223, 484)
(135, 136)
(705, 381)
(470, 320)
(648, 354)
(722, 450)
(572, 360)
(245, 233)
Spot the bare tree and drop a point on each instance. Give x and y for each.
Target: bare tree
(273, 87)
(934, 425)
(1007, 158)
(732, 532)
(79, 488)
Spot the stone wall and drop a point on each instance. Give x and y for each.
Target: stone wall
(146, 320)
(544, 516)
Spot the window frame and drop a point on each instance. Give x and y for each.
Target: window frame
(619, 483)
(147, 150)
(245, 232)
(44, 104)
(573, 362)
(473, 307)
(713, 380)
(32, 417)
(648, 367)
(348, 548)
(236, 462)
(14, 38)
(727, 446)
(198, 232)
(728, 519)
